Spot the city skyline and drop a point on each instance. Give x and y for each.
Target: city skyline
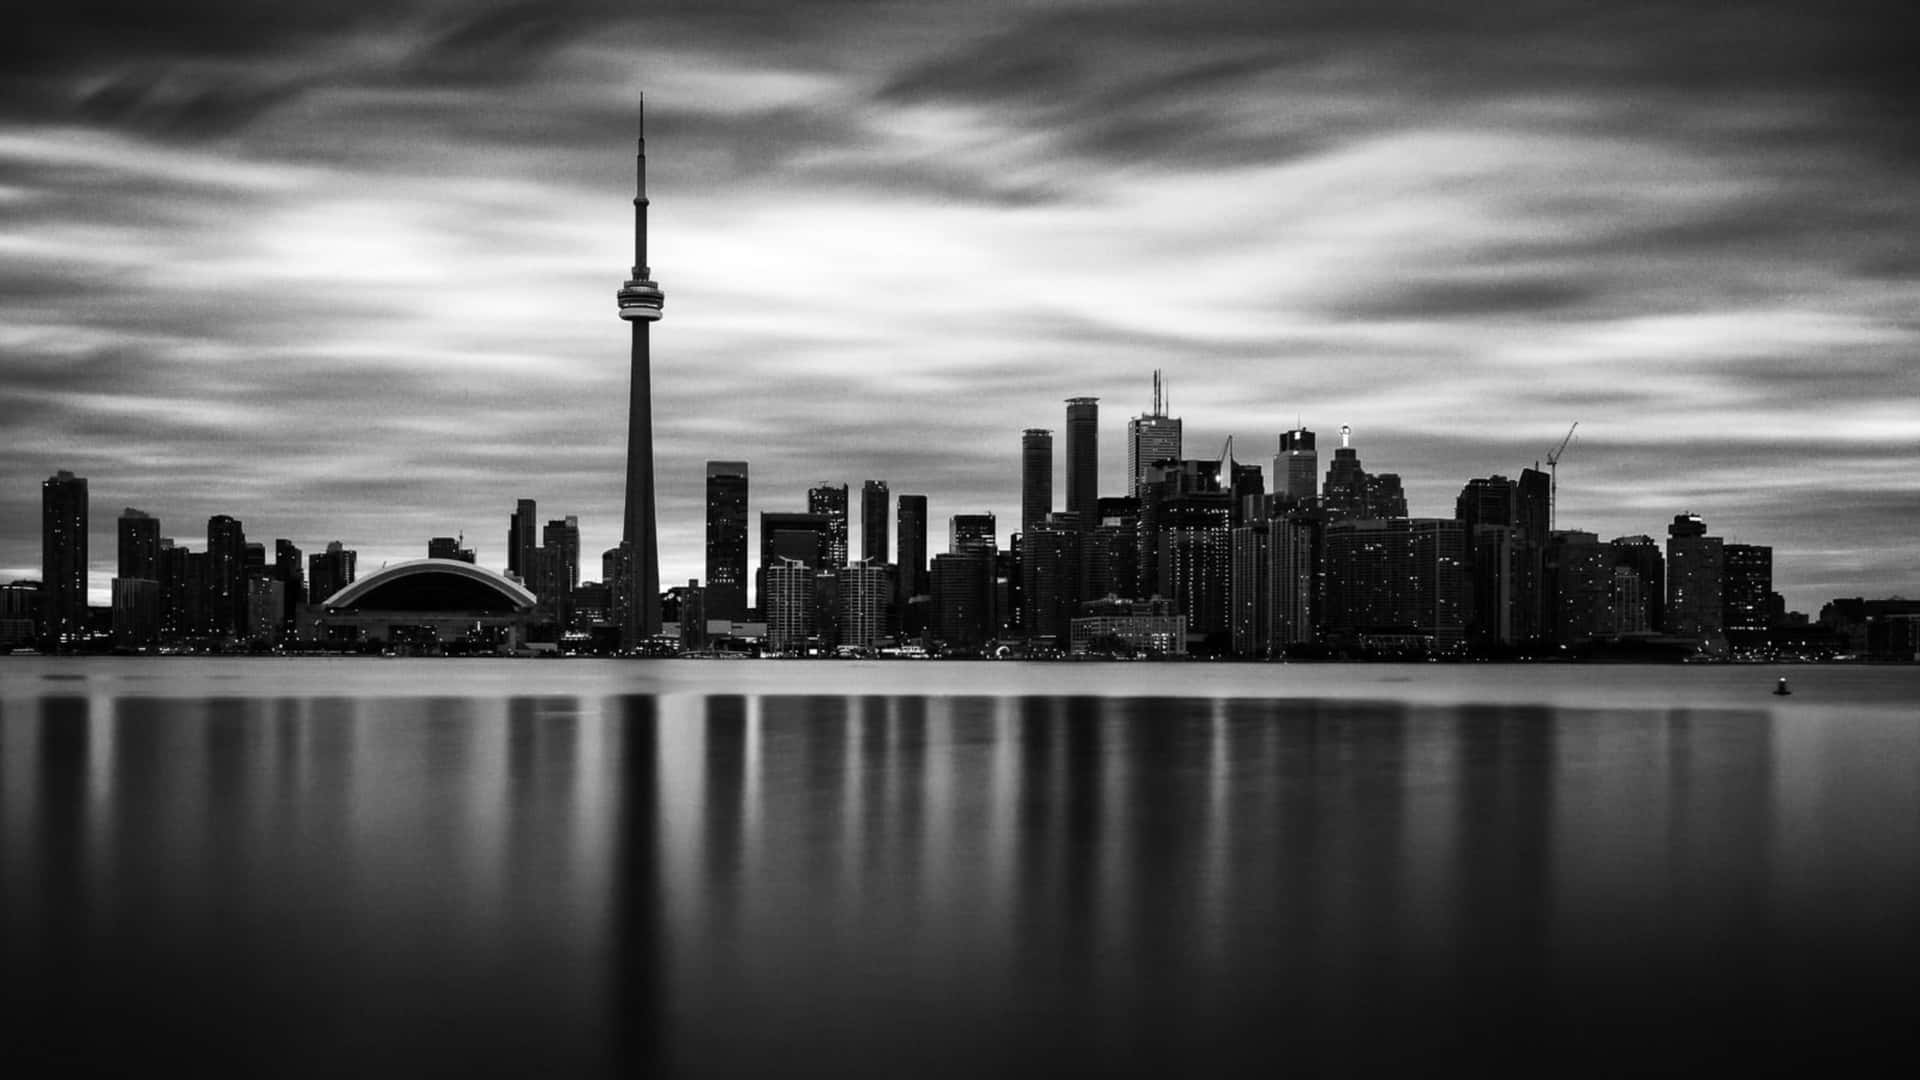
(359, 269)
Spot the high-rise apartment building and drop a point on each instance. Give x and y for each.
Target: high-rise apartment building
(806, 538)
(1694, 597)
(138, 535)
(226, 581)
(1083, 457)
(1746, 587)
(1036, 477)
(136, 588)
(63, 558)
(787, 598)
(523, 535)
(830, 501)
(865, 598)
(876, 506)
(726, 585)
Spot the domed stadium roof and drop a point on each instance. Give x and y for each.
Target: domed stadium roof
(433, 585)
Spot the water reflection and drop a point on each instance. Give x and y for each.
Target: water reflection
(884, 885)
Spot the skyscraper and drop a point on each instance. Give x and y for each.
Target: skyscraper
(640, 302)
(912, 572)
(63, 557)
(1152, 437)
(1296, 467)
(1036, 477)
(1694, 567)
(522, 538)
(330, 571)
(1746, 586)
(972, 532)
(1083, 458)
(830, 501)
(562, 537)
(226, 581)
(136, 588)
(726, 585)
(875, 505)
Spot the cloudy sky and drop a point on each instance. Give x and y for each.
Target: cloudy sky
(346, 270)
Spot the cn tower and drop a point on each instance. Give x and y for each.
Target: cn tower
(640, 301)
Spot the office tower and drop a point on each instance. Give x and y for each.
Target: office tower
(1485, 501)
(1295, 546)
(1083, 457)
(1036, 477)
(876, 504)
(449, 547)
(1485, 509)
(640, 303)
(911, 575)
(1694, 569)
(1152, 437)
(266, 609)
(972, 532)
(1165, 482)
(1252, 588)
(726, 540)
(786, 535)
(693, 618)
(136, 588)
(561, 536)
(1396, 585)
(1050, 556)
(786, 596)
(1193, 549)
(830, 501)
(1641, 555)
(139, 545)
(1746, 587)
(330, 571)
(1109, 552)
(1385, 497)
(618, 579)
(63, 558)
(1296, 467)
(226, 581)
(865, 597)
(1248, 487)
(522, 537)
(289, 569)
(962, 588)
(1532, 508)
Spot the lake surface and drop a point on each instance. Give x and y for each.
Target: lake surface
(575, 868)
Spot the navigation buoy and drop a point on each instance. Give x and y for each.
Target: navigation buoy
(1781, 689)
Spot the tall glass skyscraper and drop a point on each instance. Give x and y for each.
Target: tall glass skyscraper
(63, 558)
(726, 584)
(1083, 458)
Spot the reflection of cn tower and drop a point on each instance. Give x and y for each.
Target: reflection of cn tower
(640, 301)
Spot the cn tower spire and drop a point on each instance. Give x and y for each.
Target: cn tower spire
(640, 302)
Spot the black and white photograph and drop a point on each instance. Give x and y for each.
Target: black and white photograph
(902, 538)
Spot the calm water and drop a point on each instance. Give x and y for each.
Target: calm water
(461, 868)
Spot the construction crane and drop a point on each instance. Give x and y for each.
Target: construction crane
(1553, 472)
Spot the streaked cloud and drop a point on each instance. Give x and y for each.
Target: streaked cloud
(346, 271)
